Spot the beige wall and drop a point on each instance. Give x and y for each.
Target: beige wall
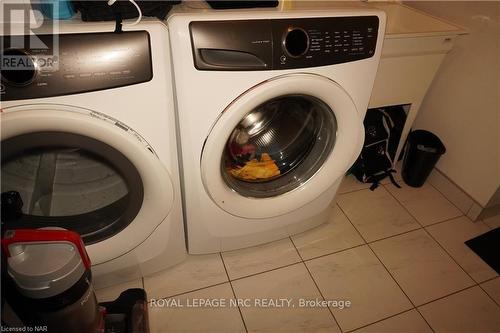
(462, 105)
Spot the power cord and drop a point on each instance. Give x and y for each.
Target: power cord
(119, 19)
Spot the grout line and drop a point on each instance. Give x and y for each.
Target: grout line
(234, 293)
(379, 320)
(395, 235)
(468, 211)
(452, 201)
(317, 287)
(190, 291)
(352, 191)
(322, 296)
(348, 219)
(437, 242)
(456, 262)
(463, 269)
(335, 252)
(414, 217)
(490, 279)
(422, 316)
(494, 301)
(443, 221)
(380, 239)
(393, 278)
(425, 320)
(447, 295)
(421, 226)
(449, 255)
(376, 240)
(296, 249)
(266, 271)
(401, 288)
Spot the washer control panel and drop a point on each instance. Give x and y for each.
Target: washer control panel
(282, 43)
(55, 65)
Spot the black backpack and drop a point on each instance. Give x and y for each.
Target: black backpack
(375, 163)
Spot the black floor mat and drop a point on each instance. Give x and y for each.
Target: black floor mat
(487, 246)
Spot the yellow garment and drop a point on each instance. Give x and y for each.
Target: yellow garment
(257, 170)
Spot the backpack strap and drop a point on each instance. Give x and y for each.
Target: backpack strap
(391, 177)
(375, 180)
(374, 185)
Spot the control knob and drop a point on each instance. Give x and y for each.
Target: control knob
(18, 68)
(296, 42)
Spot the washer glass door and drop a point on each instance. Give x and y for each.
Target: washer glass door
(57, 179)
(279, 145)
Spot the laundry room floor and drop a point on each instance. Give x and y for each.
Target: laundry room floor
(397, 255)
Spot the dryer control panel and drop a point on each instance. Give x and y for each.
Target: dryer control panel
(35, 66)
(282, 43)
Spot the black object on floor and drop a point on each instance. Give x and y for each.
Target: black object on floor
(487, 247)
(423, 150)
(128, 313)
(374, 163)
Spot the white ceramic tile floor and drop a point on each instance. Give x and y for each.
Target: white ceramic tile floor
(406, 279)
(492, 288)
(292, 282)
(376, 214)
(198, 271)
(335, 235)
(202, 319)
(257, 259)
(468, 311)
(357, 275)
(407, 322)
(421, 267)
(426, 204)
(452, 235)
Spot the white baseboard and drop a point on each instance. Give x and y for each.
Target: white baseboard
(455, 194)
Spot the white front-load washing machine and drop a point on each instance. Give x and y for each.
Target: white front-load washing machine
(89, 143)
(270, 107)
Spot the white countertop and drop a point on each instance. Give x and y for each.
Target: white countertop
(402, 21)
